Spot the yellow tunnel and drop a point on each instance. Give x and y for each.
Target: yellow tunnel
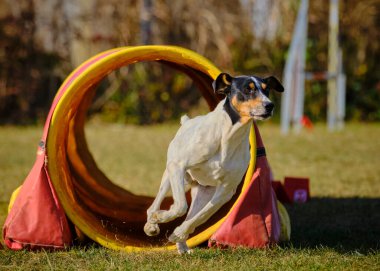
(103, 211)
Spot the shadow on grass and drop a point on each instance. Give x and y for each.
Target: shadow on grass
(344, 224)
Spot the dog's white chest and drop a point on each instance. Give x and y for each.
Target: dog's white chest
(211, 149)
(209, 172)
(214, 170)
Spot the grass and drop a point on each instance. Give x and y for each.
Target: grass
(240, 259)
(339, 229)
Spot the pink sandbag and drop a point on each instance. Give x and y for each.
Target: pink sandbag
(36, 219)
(254, 222)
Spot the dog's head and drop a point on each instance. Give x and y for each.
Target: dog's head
(247, 95)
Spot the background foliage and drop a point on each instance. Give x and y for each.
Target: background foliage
(42, 41)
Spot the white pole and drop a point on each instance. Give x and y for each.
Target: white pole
(290, 67)
(332, 84)
(300, 83)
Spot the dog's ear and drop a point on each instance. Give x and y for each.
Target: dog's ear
(222, 84)
(271, 82)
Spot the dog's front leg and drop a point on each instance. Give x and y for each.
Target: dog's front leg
(151, 228)
(176, 175)
(223, 193)
(163, 190)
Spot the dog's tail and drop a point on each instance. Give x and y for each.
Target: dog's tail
(184, 118)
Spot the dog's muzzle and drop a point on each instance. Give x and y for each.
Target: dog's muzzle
(265, 112)
(269, 107)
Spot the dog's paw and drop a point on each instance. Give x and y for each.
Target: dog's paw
(182, 248)
(179, 235)
(151, 229)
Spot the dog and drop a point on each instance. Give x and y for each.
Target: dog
(210, 153)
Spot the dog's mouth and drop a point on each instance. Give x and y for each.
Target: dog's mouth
(261, 116)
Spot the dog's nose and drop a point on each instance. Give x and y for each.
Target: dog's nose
(269, 107)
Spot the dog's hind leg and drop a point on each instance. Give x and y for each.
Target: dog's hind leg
(200, 196)
(222, 195)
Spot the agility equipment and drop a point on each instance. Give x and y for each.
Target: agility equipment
(292, 102)
(70, 180)
(294, 190)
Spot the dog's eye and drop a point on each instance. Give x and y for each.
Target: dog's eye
(247, 90)
(250, 88)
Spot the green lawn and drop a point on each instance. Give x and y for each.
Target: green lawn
(339, 229)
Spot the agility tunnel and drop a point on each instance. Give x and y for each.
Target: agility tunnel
(106, 213)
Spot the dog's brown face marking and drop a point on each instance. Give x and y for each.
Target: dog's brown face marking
(244, 108)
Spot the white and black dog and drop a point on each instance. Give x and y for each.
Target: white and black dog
(211, 154)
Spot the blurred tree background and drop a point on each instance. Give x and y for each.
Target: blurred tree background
(42, 41)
